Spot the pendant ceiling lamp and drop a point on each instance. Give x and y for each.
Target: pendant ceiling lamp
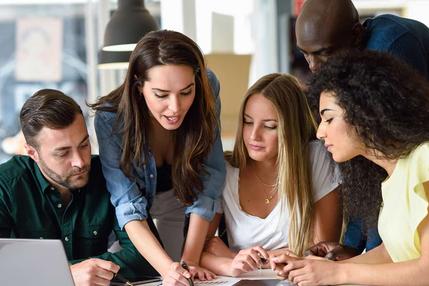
(113, 60)
(128, 24)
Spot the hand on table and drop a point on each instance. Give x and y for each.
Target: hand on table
(93, 271)
(178, 276)
(249, 259)
(332, 251)
(305, 271)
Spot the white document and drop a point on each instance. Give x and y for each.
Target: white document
(262, 274)
(259, 275)
(220, 280)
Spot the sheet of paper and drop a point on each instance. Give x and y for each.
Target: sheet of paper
(259, 274)
(220, 280)
(263, 274)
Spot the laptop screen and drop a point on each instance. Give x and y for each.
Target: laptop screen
(34, 262)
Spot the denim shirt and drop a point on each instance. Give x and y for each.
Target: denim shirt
(133, 197)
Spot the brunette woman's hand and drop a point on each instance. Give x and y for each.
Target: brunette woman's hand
(176, 276)
(201, 273)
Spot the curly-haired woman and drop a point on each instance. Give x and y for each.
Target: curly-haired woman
(374, 106)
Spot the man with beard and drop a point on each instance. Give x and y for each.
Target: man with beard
(58, 192)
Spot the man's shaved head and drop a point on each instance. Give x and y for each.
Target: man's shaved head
(325, 27)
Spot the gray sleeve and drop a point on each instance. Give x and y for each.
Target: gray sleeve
(324, 171)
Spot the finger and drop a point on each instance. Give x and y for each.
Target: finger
(317, 251)
(252, 260)
(301, 280)
(297, 275)
(290, 267)
(200, 275)
(261, 252)
(182, 271)
(274, 265)
(177, 278)
(290, 253)
(243, 266)
(210, 275)
(279, 259)
(171, 281)
(244, 261)
(256, 258)
(99, 281)
(104, 274)
(294, 265)
(277, 264)
(105, 264)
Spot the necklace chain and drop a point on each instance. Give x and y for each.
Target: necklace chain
(270, 195)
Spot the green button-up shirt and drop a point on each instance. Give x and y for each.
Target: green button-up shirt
(31, 208)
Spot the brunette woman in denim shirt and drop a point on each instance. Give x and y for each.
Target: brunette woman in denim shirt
(163, 119)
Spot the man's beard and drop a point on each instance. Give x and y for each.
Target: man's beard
(69, 181)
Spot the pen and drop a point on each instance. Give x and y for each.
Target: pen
(263, 259)
(123, 280)
(186, 267)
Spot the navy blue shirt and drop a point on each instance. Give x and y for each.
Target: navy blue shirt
(403, 38)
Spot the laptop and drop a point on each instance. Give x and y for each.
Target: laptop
(34, 262)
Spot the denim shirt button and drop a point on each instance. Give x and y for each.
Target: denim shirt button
(151, 176)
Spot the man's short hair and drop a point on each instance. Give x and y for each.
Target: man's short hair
(47, 108)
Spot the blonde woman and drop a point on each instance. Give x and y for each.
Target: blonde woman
(280, 191)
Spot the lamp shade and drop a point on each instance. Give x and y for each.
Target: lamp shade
(113, 60)
(128, 24)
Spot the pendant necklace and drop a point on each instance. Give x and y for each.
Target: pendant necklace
(270, 195)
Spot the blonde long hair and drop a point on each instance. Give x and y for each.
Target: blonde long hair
(296, 128)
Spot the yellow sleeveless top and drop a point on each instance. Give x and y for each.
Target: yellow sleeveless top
(405, 205)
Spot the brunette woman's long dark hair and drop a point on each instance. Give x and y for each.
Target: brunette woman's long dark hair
(193, 139)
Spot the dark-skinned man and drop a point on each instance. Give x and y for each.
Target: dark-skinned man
(326, 27)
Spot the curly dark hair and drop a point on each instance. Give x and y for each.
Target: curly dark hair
(387, 103)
